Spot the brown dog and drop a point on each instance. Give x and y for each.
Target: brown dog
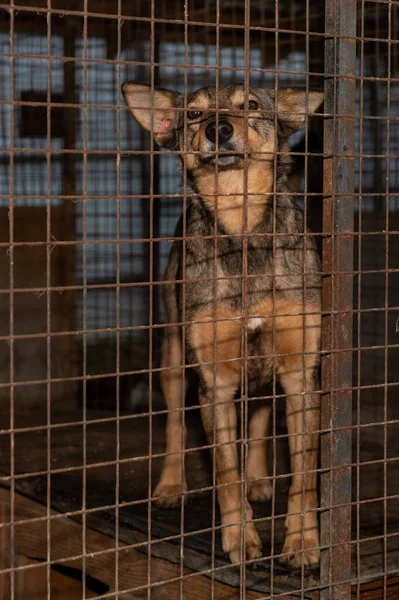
(252, 287)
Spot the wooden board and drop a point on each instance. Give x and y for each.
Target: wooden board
(100, 492)
(32, 578)
(167, 579)
(137, 476)
(31, 264)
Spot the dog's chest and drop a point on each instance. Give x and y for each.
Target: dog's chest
(237, 270)
(239, 257)
(230, 270)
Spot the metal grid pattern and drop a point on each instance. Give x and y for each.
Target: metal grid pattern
(89, 207)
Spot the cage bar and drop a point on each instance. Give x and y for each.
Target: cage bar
(338, 226)
(88, 209)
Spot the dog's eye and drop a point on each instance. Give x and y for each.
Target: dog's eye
(252, 105)
(194, 114)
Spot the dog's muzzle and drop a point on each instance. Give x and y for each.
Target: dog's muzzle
(223, 132)
(219, 144)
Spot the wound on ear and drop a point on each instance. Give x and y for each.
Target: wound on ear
(163, 127)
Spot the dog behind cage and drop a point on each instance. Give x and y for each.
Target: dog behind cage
(232, 163)
(254, 450)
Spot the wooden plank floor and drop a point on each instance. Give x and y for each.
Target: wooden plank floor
(130, 574)
(33, 580)
(137, 475)
(66, 588)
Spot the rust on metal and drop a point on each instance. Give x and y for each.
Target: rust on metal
(338, 222)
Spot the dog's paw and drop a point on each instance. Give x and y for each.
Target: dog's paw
(169, 495)
(231, 541)
(295, 554)
(259, 491)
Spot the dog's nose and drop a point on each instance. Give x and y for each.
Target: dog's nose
(225, 131)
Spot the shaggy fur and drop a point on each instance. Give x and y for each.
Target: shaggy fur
(252, 275)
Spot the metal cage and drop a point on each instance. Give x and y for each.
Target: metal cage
(90, 205)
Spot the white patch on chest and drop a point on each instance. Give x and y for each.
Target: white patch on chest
(254, 323)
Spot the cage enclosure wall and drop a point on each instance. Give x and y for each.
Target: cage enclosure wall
(91, 205)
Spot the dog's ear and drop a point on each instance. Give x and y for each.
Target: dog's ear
(293, 105)
(153, 109)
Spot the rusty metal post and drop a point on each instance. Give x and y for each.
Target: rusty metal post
(338, 223)
(70, 177)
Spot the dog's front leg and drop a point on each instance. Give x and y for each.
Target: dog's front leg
(303, 421)
(298, 334)
(219, 420)
(172, 483)
(219, 382)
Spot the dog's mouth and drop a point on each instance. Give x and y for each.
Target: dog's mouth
(224, 159)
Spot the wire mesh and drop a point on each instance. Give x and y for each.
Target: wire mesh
(93, 209)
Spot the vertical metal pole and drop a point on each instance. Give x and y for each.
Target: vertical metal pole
(156, 225)
(151, 230)
(68, 206)
(338, 223)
